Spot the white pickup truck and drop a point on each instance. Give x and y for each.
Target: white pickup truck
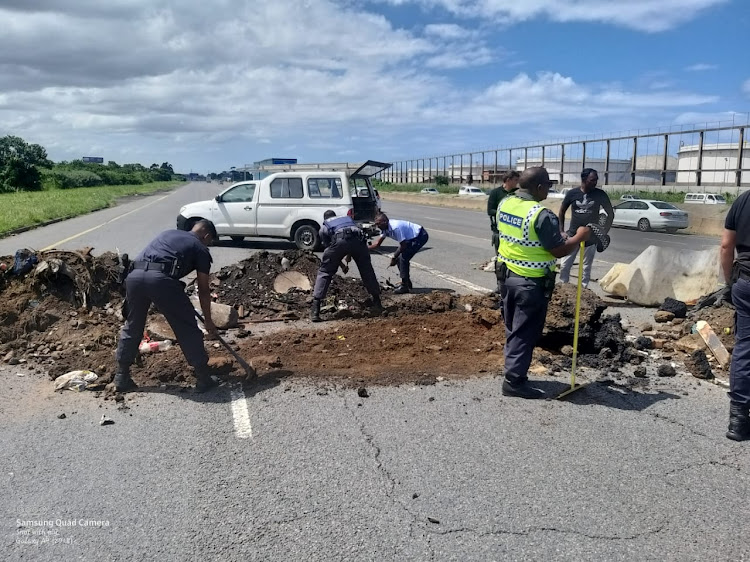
(290, 202)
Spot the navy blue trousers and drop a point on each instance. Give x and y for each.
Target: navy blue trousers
(332, 256)
(524, 312)
(411, 247)
(168, 295)
(739, 373)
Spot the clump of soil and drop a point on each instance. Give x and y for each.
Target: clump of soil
(698, 365)
(678, 308)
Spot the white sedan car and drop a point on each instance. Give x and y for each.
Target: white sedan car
(470, 191)
(647, 215)
(430, 191)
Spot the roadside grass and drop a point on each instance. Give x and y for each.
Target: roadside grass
(29, 208)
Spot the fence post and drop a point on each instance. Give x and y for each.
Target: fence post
(562, 164)
(583, 157)
(606, 163)
(632, 162)
(699, 169)
(481, 181)
(664, 161)
(738, 171)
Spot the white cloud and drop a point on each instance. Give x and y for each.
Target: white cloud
(643, 15)
(136, 79)
(700, 67)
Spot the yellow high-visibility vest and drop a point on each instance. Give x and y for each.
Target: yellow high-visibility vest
(520, 247)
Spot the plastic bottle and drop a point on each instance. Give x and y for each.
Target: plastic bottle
(154, 346)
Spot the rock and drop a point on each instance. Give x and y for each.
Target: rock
(567, 350)
(699, 366)
(61, 416)
(646, 327)
(223, 315)
(13, 361)
(159, 329)
(8, 356)
(678, 320)
(362, 392)
(678, 308)
(640, 372)
(644, 343)
(663, 316)
(605, 353)
(106, 421)
(266, 362)
(666, 370)
(659, 343)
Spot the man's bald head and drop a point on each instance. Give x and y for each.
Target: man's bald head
(532, 177)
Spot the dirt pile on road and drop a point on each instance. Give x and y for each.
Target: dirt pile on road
(63, 315)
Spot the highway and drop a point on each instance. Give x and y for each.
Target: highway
(451, 471)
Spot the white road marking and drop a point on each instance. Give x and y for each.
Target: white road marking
(451, 279)
(487, 239)
(242, 427)
(69, 238)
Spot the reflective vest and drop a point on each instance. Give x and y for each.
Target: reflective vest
(520, 247)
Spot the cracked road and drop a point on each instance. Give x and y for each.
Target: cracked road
(450, 471)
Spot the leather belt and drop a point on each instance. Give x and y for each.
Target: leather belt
(161, 267)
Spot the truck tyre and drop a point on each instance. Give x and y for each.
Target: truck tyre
(306, 237)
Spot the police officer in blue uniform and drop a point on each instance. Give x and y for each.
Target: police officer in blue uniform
(342, 238)
(735, 263)
(155, 278)
(530, 242)
(410, 237)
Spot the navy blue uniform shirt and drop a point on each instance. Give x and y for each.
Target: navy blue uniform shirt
(173, 244)
(330, 227)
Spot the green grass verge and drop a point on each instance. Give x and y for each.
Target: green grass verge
(28, 208)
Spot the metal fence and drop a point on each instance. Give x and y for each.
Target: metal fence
(713, 158)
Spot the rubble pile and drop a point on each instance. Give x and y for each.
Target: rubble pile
(63, 314)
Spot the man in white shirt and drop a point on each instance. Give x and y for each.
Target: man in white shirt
(410, 237)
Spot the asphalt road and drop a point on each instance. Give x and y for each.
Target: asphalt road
(302, 471)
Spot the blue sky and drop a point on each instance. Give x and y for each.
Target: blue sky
(167, 80)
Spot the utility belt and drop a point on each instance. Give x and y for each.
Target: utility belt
(349, 233)
(170, 268)
(546, 282)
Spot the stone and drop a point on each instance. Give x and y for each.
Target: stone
(362, 392)
(676, 307)
(662, 316)
(567, 350)
(666, 370)
(223, 315)
(646, 327)
(8, 356)
(640, 372)
(658, 343)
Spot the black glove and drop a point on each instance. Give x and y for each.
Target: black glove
(600, 237)
(726, 295)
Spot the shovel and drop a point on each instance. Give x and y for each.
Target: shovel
(249, 371)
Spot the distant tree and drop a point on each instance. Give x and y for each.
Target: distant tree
(167, 166)
(113, 164)
(20, 163)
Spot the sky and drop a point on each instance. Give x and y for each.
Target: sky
(210, 84)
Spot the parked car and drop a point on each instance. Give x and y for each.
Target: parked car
(647, 215)
(705, 198)
(430, 191)
(554, 193)
(471, 191)
(627, 197)
(290, 202)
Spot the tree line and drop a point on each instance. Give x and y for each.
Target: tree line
(26, 167)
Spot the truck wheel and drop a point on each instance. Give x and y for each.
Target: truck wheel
(306, 237)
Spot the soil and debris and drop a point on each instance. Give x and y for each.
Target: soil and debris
(64, 315)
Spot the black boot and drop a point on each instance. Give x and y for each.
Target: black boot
(204, 381)
(404, 288)
(523, 390)
(739, 422)
(315, 311)
(123, 382)
(377, 303)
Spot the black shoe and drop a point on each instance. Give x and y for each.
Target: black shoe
(524, 390)
(204, 383)
(402, 289)
(315, 311)
(408, 283)
(739, 422)
(123, 383)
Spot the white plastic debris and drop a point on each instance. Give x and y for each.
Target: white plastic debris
(75, 380)
(106, 421)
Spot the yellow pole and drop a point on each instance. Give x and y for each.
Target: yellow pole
(577, 319)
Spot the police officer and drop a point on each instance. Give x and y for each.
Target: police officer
(510, 184)
(735, 263)
(155, 278)
(342, 238)
(530, 240)
(410, 237)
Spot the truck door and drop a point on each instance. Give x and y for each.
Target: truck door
(236, 210)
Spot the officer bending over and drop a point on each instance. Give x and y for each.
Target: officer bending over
(155, 278)
(342, 238)
(530, 240)
(410, 237)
